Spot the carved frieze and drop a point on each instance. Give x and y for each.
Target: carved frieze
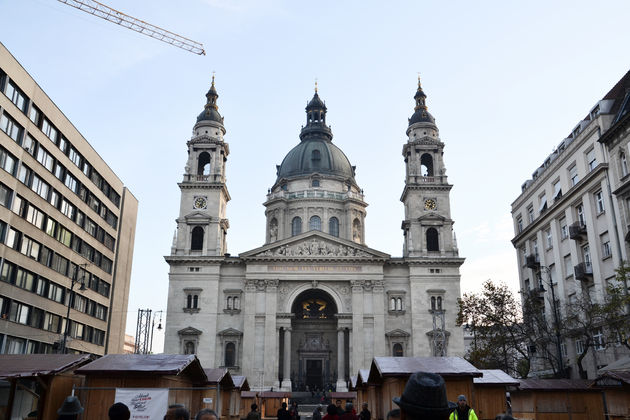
(315, 248)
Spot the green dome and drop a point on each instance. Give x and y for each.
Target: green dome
(315, 156)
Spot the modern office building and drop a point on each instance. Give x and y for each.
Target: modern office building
(67, 227)
(570, 222)
(313, 304)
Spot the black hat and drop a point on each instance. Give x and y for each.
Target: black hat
(425, 395)
(70, 406)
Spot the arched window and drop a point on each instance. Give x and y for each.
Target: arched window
(392, 304)
(235, 303)
(229, 302)
(195, 301)
(432, 240)
(230, 354)
(398, 350)
(189, 301)
(315, 183)
(426, 161)
(196, 244)
(203, 167)
(433, 303)
(399, 304)
(439, 303)
(296, 226)
(333, 226)
(315, 223)
(189, 347)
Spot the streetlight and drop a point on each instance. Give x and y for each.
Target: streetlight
(159, 327)
(70, 300)
(542, 289)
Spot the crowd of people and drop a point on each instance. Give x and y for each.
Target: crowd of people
(423, 398)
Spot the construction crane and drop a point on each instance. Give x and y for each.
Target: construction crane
(112, 15)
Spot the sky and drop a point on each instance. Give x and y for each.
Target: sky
(506, 82)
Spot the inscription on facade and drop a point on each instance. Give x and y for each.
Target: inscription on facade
(319, 268)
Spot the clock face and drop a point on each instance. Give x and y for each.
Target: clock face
(430, 204)
(200, 203)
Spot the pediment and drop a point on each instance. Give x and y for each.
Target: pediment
(397, 333)
(197, 217)
(314, 245)
(432, 217)
(230, 332)
(189, 331)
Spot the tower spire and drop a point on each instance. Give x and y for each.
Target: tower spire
(421, 114)
(211, 109)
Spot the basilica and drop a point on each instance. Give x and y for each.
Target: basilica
(313, 304)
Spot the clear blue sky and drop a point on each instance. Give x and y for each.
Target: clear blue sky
(506, 82)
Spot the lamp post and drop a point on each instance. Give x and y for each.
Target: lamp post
(159, 327)
(555, 315)
(66, 330)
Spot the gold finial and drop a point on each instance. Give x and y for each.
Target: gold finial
(419, 80)
(213, 72)
(316, 85)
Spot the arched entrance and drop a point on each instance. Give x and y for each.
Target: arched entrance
(314, 340)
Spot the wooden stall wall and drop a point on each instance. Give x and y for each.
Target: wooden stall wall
(558, 405)
(197, 399)
(618, 403)
(489, 401)
(59, 387)
(456, 386)
(246, 404)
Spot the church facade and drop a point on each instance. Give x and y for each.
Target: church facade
(313, 304)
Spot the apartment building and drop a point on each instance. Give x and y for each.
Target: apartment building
(67, 228)
(570, 228)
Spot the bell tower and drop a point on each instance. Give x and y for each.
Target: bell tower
(202, 225)
(428, 227)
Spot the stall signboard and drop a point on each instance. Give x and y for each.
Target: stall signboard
(144, 403)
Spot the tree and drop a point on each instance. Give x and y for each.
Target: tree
(494, 318)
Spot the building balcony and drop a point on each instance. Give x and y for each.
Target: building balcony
(577, 230)
(583, 271)
(322, 194)
(214, 178)
(532, 261)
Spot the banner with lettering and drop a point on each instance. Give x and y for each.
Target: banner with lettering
(144, 403)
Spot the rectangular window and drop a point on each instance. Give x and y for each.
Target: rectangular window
(24, 174)
(45, 158)
(564, 230)
(29, 144)
(549, 238)
(11, 127)
(35, 216)
(67, 208)
(93, 203)
(7, 161)
(579, 210)
(51, 227)
(79, 302)
(63, 144)
(60, 172)
(591, 160)
(55, 292)
(16, 96)
(19, 312)
(35, 115)
(599, 202)
(599, 342)
(606, 251)
(557, 190)
(90, 226)
(40, 187)
(535, 248)
(80, 219)
(568, 266)
(37, 318)
(7, 273)
(530, 214)
(74, 156)
(49, 130)
(52, 322)
(13, 238)
(54, 198)
(71, 182)
(19, 206)
(543, 203)
(586, 253)
(45, 256)
(573, 175)
(42, 287)
(30, 248)
(64, 236)
(519, 224)
(579, 347)
(5, 196)
(24, 279)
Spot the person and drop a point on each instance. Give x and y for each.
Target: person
(393, 414)
(331, 413)
(463, 411)
(283, 413)
(70, 409)
(365, 413)
(207, 414)
(424, 397)
(254, 414)
(119, 411)
(317, 413)
(294, 412)
(340, 409)
(177, 412)
(349, 413)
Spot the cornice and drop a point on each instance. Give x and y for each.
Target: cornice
(201, 260)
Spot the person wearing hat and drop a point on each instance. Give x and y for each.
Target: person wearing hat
(463, 411)
(119, 411)
(424, 397)
(70, 409)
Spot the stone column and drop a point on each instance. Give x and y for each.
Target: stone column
(276, 382)
(357, 344)
(341, 366)
(249, 328)
(286, 376)
(379, 310)
(270, 362)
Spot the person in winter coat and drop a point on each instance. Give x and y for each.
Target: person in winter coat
(463, 410)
